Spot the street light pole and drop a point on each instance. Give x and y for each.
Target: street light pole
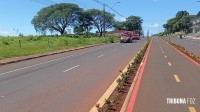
(104, 20)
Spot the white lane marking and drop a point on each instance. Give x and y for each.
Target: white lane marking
(47, 62)
(165, 56)
(192, 109)
(169, 64)
(2, 96)
(163, 52)
(115, 50)
(101, 56)
(177, 78)
(71, 68)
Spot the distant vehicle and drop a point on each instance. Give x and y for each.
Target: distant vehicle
(126, 36)
(136, 37)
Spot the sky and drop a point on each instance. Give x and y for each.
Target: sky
(16, 15)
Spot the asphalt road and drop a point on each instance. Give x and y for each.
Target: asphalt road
(168, 79)
(192, 45)
(68, 82)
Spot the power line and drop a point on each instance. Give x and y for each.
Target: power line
(111, 8)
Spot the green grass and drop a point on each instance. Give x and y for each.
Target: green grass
(10, 47)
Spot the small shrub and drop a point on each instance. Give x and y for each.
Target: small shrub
(108, 103)
(111, 39)
(6, 43)
(119, 81)
(120, 88)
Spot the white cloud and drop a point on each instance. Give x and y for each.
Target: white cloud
(153, 28)
(121, 19)
(156, 25)
(4, 33)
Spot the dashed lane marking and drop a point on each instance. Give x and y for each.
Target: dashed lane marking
(192, 109)
(165, 56)
(170, 64)
(101, 56)
(115, 50)
(71, 68)
(177, 78)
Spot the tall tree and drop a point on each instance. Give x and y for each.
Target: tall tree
(56, 17)
(85, 21)
(98, 19)
(134, 23)
(119, 25)
(179, 23)
(180, 14)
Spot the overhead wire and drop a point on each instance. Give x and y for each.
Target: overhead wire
(111, 8)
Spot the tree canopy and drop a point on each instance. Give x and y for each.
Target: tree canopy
(182, 22)
(119, 25)
(98, 19)
(56, 17)
(132, 23)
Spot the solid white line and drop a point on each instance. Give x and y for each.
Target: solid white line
(71, 68)
(45, 62)
(169, 64)
(115, 50)
(101, 56)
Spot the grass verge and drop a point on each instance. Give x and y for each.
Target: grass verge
(23, 46)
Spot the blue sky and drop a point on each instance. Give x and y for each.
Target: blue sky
(16, 15)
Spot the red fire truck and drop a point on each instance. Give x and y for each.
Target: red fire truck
(126, 36)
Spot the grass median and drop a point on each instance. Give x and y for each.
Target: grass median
(29, 45)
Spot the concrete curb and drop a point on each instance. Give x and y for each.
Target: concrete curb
(23, 58)
(110, 90)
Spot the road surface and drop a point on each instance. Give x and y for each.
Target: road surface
(68, 82)
(192, 45)
(168, 79)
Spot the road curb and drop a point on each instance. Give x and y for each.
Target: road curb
(112, 87)
(24, 58)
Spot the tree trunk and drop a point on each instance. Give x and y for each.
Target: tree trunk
(101, 33)
(62, 31)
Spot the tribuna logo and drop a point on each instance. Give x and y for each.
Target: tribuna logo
(190, 101)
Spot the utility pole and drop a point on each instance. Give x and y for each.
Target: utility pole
(104, 20)
(148, 35)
